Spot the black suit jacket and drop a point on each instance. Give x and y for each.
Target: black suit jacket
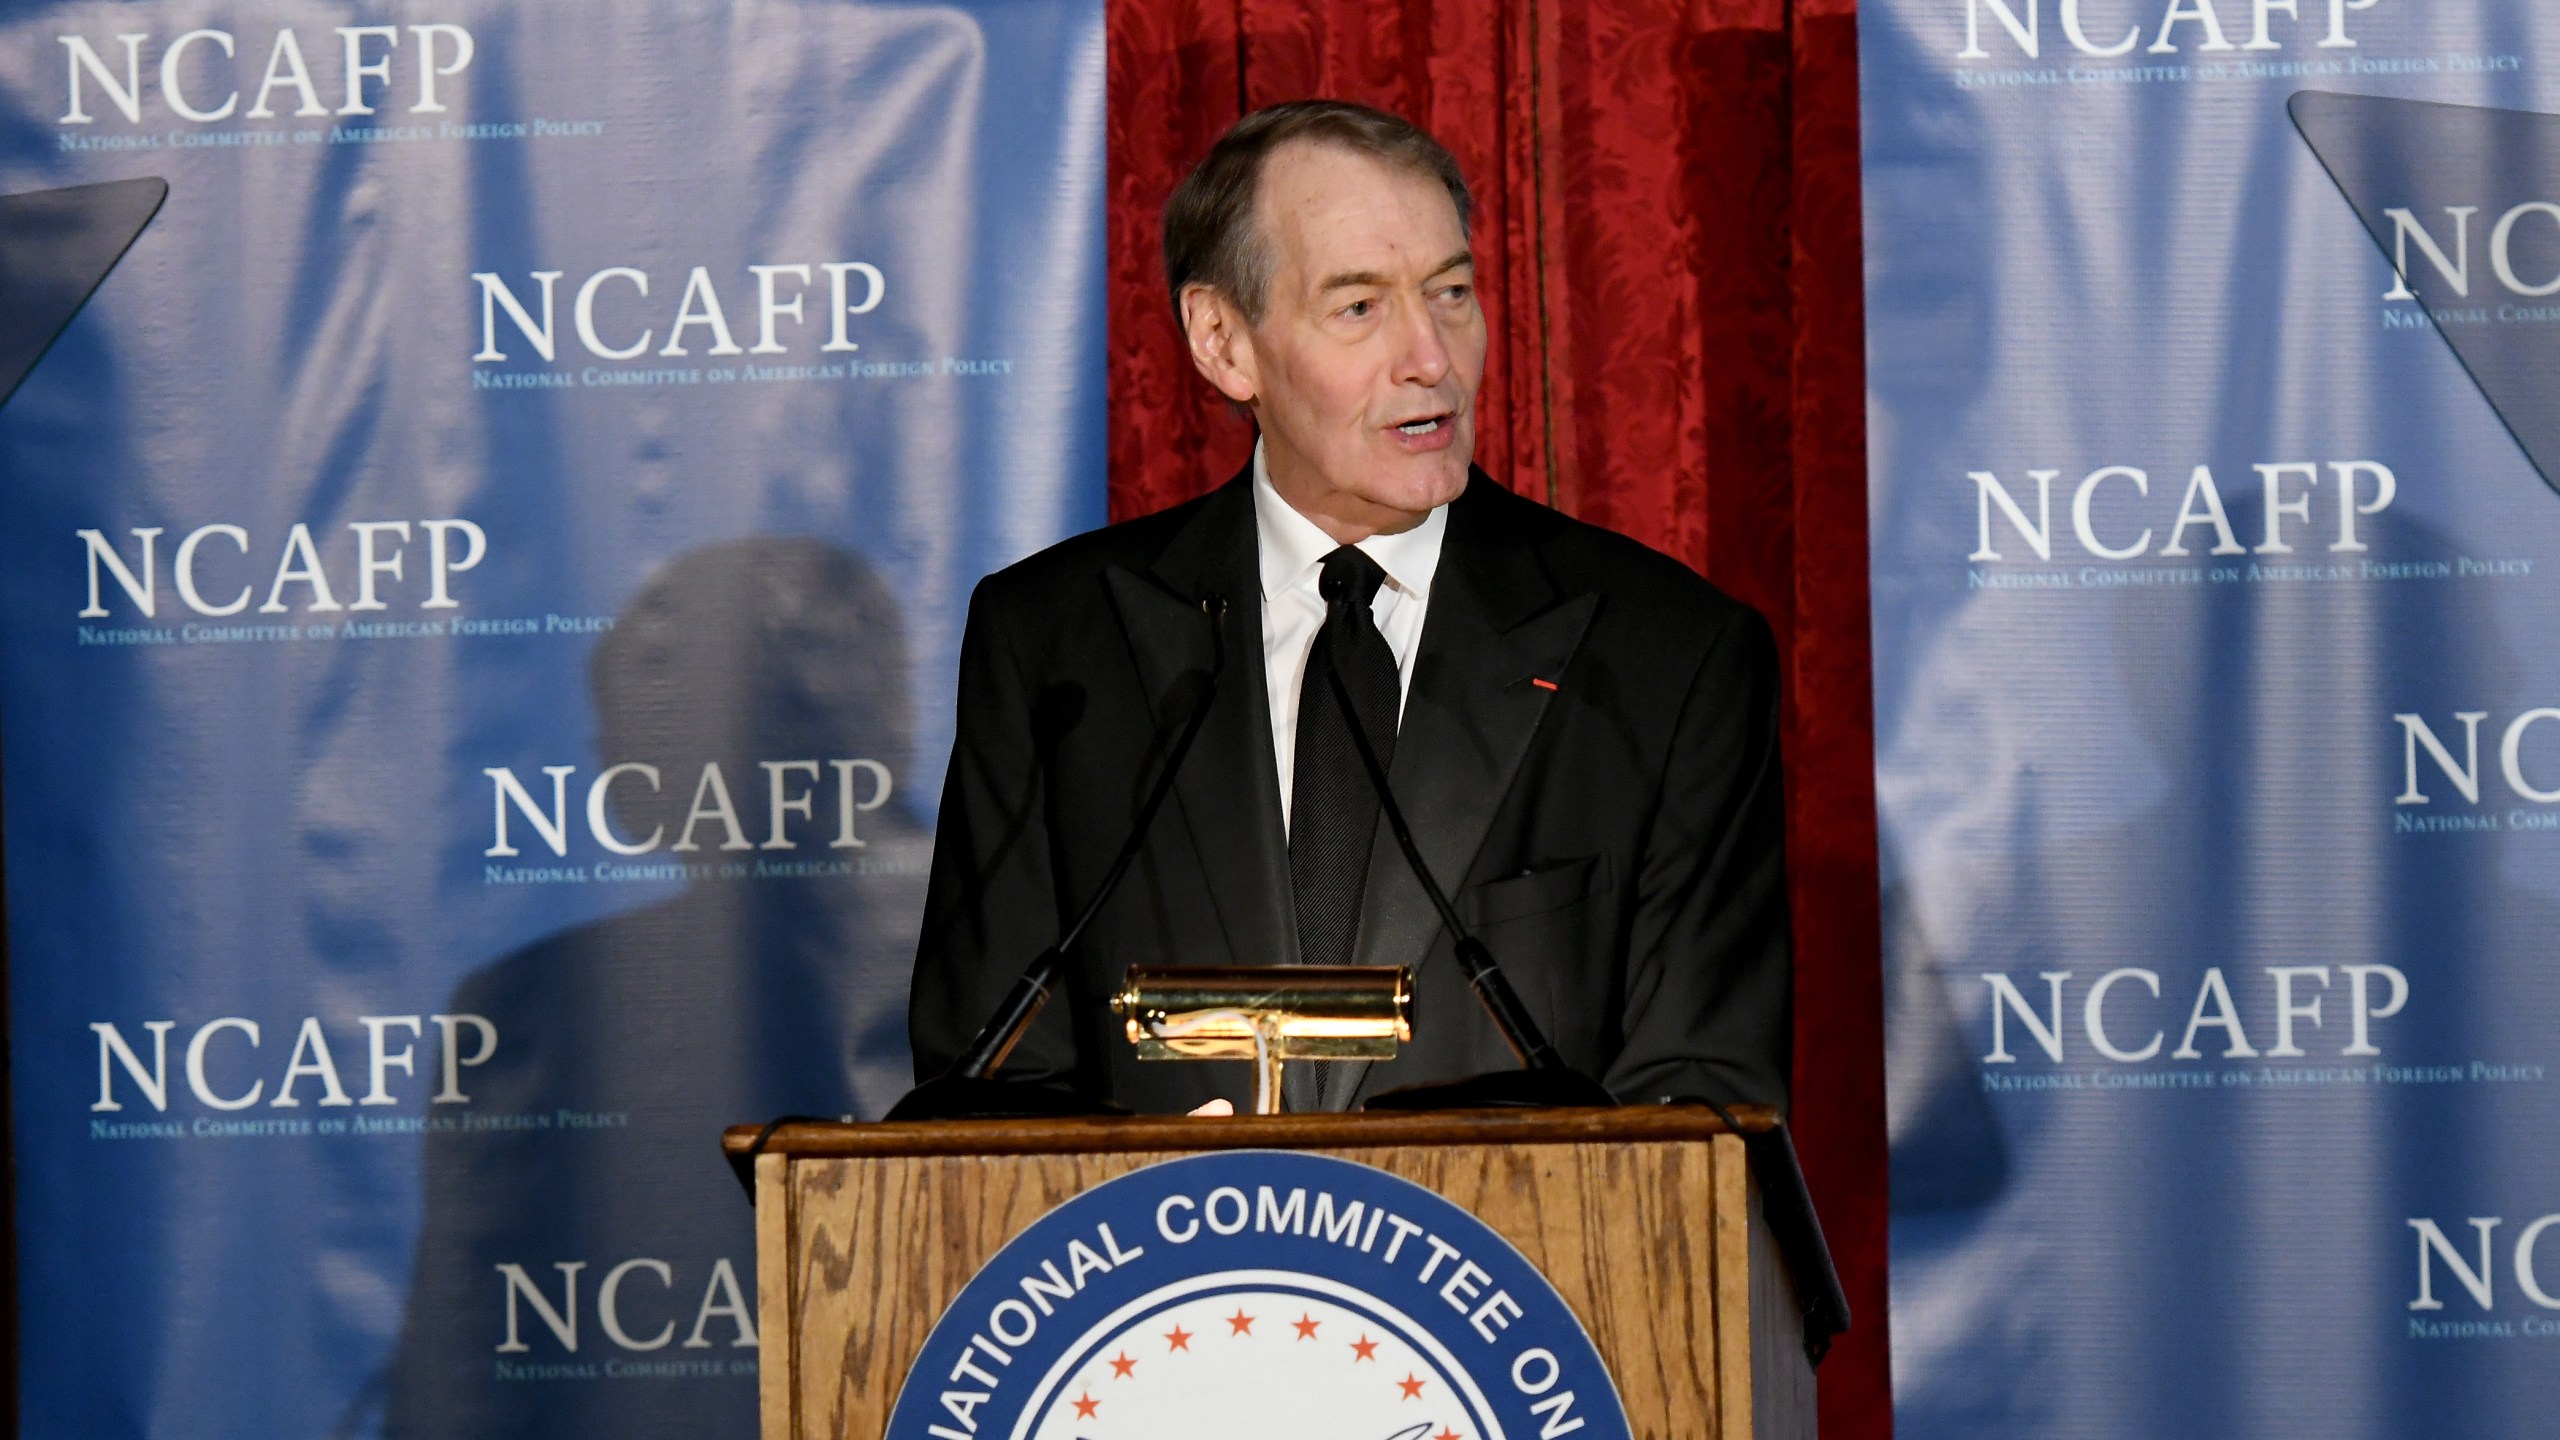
(1616, 840)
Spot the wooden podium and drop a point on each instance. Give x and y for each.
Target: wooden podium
(1647, 1222)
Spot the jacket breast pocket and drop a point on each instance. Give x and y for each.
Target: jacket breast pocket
(1536, 892)
(1549, 931)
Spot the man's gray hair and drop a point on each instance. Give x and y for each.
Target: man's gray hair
(1209, 233)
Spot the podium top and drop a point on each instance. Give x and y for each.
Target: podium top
(1108, 1133)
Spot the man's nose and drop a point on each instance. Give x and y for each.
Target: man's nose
(1423, 355)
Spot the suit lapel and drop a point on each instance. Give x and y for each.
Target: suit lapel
(1227, 798)
(1495, 624)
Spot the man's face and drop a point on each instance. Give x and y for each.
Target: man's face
(1363, 368)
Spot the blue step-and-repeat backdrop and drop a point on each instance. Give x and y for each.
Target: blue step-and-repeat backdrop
(480, 585)
(2214, 382)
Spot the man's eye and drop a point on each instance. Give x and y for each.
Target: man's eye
(1457, 293)
(1359, 309)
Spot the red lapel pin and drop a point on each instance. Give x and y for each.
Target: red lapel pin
(1542, 684)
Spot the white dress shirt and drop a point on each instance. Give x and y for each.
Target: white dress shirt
(1292, 550)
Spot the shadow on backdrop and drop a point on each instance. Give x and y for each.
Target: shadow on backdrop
(1930, 357)
(626, 1045)
(56, 247)
(2460, 199)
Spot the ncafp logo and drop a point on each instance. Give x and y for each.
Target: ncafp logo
(1258, 1294)
(2431, 774)
(2521, 246)
(2116, 516)
(200, 76)
(2172, 26)
(2476, 1275)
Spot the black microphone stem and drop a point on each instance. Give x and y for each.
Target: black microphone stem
(1510, 1015)
(996, 1039)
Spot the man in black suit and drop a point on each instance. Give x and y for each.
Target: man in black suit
(1582, 732)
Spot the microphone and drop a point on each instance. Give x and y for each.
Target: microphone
(969, 1089)
(1543, 1079)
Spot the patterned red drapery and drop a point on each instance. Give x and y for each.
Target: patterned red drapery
(1667, 243)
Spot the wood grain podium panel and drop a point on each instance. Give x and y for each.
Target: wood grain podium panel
(865, 1236)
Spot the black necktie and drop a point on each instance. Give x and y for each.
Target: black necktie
(1333, 811)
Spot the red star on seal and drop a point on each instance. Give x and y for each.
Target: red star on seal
(1411, 1387)
(1448, 1434)
(1180, 1339)
(1086, 1405)
(1121, 1365)
(1240, 1323)
(1364, 1348)
(1305, 1325)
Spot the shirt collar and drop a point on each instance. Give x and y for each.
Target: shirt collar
(1291, 545)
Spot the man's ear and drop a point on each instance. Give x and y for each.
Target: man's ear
(1221, 344)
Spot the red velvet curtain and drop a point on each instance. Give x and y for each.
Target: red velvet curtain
(1667, 246)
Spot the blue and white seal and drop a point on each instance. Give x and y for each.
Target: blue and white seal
(1256, 1295)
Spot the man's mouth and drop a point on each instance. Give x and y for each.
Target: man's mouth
(1424, 426)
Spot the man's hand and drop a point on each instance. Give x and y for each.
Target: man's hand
(1217, 1107)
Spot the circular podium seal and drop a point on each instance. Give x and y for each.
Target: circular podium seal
(1255, 1295)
